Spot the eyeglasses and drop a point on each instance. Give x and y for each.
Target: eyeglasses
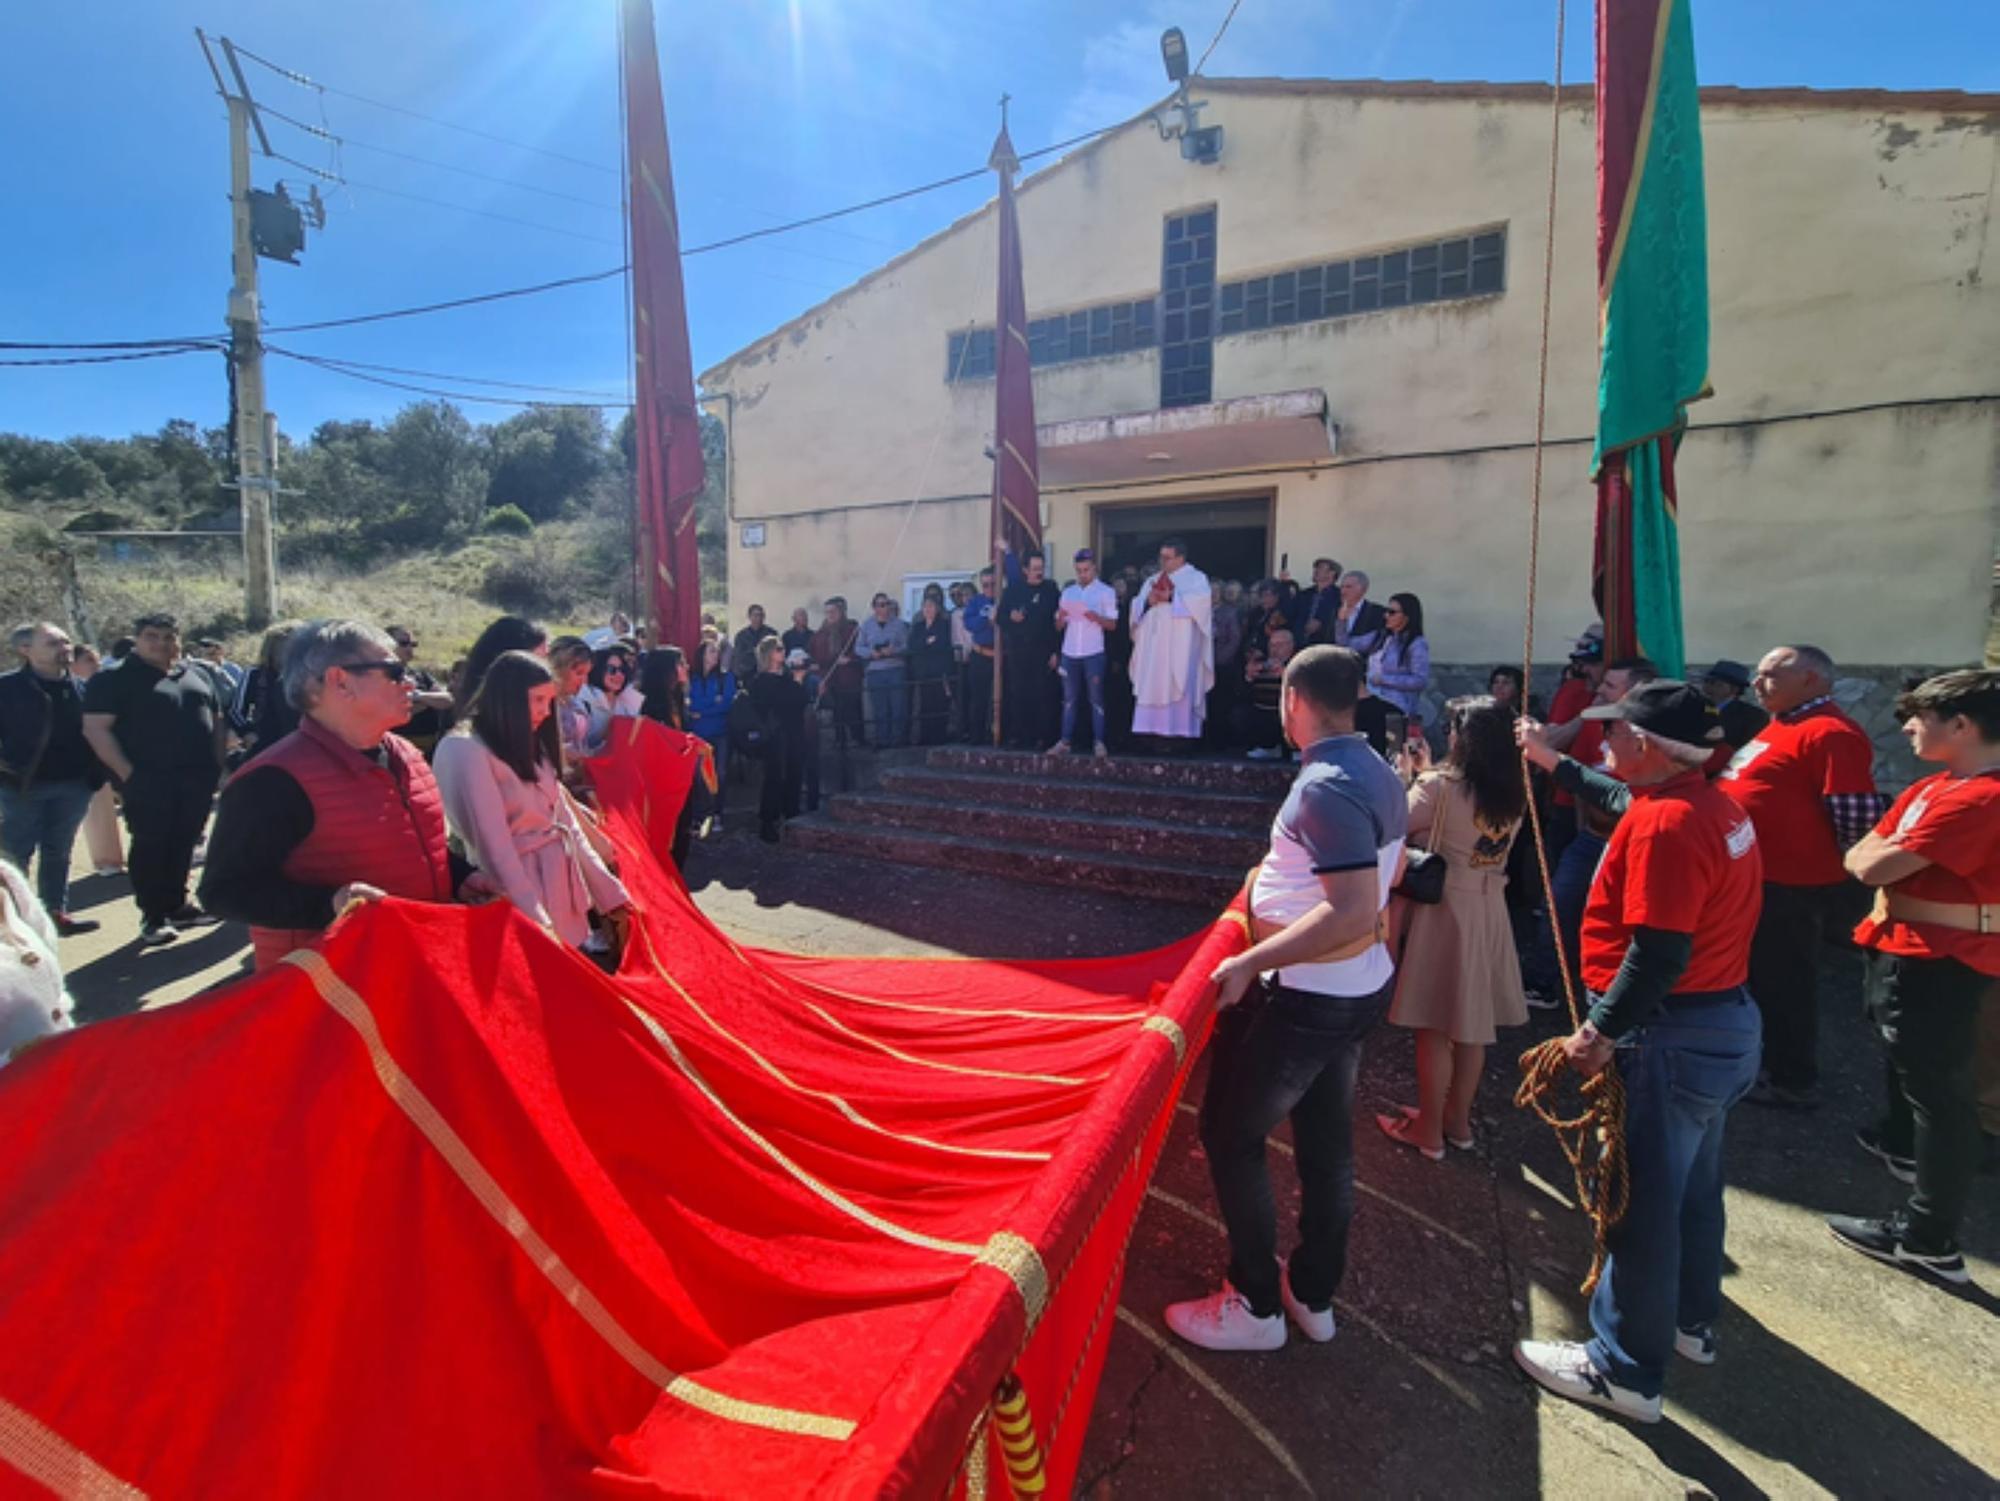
(395, 672)
(1391, 610)
(617, 669)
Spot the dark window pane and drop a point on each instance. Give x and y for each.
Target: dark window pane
(1143, 320)
(1176, 229)
(1451, 283)
(1486, 274)
(1424, 257)
(1231, 323)
(1204, 248)
(1424, 285)
(1180, 253)
(1176, 278)
(1202, 223)
(1121, 337)
(1284, 286)
(1174, 329)
(1174, 357)
(1338, 305)
(1368, 265)
(1199, 323)
(1201, 296)
(1312, 304)
(1100, 321)
(1396, 266)
(1336, 276)
(1194, 389)
(1232, 297)
(1395, 293)
(1309, 278)
(1454, 254)
(1489, 244)
(1201, 355)
(1257, 315)
(1367, 294)
(1201, 274)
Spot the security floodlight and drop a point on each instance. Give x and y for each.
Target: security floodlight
(1173, 52)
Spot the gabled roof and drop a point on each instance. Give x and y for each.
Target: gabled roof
(1946, 101)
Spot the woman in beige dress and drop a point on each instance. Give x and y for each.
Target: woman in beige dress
(1458, 978)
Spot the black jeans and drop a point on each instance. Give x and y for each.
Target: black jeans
(978, 716)
(165, 812)
(1279, 1053)
(1928, 1013)
(1784, 980)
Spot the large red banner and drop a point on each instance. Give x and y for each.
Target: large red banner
(1017, 492)
(666, 422)
(439, 1208)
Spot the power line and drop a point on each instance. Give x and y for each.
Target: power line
(486, 135)
(113, 359)
(469, 380)
(505, 401)
(1213, 42)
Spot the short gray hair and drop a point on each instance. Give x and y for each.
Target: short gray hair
(1356, 573)
(323, 644)
(23, 635)
(1680, 752)
(1814, 660)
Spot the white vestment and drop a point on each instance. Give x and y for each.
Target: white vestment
(1173, 656)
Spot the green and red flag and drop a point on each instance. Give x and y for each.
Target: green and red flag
(666, 424)
(1652, 289)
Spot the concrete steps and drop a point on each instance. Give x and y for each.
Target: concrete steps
(1174, 831)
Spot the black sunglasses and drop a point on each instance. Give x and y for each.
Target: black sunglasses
(395, 672)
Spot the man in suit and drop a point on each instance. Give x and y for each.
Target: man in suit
(1360, 624)
(1314, 611)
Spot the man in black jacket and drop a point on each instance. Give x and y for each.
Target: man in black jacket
(1028, 656)
(47, 770)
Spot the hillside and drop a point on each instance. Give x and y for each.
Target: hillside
(426, 520)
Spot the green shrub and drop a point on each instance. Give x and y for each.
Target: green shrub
(507, 521)
(531, 583)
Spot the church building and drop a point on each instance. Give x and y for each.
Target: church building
(1323, 342)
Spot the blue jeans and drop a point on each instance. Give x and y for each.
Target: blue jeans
(889, 701)
(1080, 674)
(1682, 1074)
(1281, 1052)
(44, 819)
(1569, 883)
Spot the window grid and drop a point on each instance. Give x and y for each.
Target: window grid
(1110, 328)
(1442, 271)
(1187, 309)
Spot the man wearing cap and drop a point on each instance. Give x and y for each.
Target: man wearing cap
(1666, 949)
(1807, 780)
(1725, 684)
(1087, 609)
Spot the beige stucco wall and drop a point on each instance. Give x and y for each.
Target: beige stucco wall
(1851, 262)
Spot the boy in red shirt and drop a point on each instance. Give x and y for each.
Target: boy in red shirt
(1933, 957)
(1666, 948)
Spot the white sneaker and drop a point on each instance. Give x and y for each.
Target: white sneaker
(1263, 753)
(1566, 1370)
(1223, 1321)
(1696, 1344)
(1315, 1325)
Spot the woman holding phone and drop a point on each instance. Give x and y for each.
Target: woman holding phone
(500, 777)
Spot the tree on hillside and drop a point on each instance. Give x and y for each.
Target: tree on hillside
(546, 460)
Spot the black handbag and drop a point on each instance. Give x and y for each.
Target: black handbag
(1424, 870)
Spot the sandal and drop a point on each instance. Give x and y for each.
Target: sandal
(1397, 1129)
(1456, 1143)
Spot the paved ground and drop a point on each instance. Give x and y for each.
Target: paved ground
(1838, 1376)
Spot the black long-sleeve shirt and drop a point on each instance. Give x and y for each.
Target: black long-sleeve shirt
(263, 816)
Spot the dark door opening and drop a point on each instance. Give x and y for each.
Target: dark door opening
(1227, 538)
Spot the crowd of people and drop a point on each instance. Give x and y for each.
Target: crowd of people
(1701, 848)
(1076, 671)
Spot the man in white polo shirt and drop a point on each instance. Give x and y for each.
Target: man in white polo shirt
(1087, 609)
(1294, 1009)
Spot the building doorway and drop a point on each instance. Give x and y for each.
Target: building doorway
(1228, 537)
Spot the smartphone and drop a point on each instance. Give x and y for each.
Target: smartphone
(1284, 562)
(1397, 728)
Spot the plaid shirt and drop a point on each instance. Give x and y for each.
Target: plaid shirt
(1852, 814)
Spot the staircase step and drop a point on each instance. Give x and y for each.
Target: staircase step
(1204, 886)
(1089, 834)
(1189, 806)
(1245, 778)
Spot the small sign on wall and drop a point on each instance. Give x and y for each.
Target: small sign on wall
(753, 534)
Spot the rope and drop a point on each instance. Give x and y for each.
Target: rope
(1594, 1139)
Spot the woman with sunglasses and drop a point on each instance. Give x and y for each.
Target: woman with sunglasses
(1400, 670)
(501, 778)
(612, 692)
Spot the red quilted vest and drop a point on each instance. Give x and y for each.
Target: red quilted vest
(384, 826)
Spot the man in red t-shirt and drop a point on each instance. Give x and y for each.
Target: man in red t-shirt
(1933, 958)
(1807, 780)
(1666, 948)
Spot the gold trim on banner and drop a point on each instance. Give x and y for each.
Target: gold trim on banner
(1170, 1029)
(1005, 1154)
(1015, 1013)
(1014, 1255)
(405, 1094)
(952, 1068)
(52, 1461)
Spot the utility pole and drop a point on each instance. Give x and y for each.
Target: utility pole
(255, 428)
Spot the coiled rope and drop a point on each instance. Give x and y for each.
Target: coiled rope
(1593, 1138)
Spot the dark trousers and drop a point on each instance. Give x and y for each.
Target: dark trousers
(978, 716)
(783, 770)
(1784, 979)
(1279, 1053)
(1027, 696)
(42, 822)
(1928, 1014)
(165, 812)
(1682, 1074)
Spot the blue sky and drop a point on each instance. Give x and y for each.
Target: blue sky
(115, 170)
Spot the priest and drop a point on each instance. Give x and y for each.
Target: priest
(1173, 648)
